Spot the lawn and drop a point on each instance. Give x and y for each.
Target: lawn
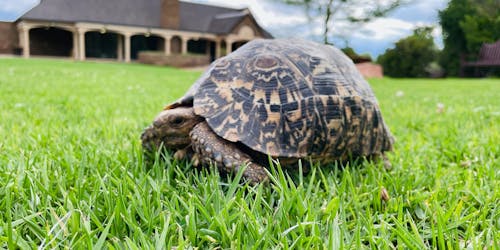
(72, 174)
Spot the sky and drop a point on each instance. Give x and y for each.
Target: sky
(291, 21)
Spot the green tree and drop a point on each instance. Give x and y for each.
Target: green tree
(355, 57)
(329, 12)
(467, 24)
(411, 55)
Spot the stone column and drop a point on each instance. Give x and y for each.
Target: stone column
(81, 44)
(127, 36)
(25, 40)
(229, 45)
(119, 49)
(75, 45)
(184, 46)
(217, 48)
(167, 45)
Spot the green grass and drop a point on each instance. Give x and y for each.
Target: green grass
(72, 174)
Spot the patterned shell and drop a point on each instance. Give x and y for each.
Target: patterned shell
(291, 98)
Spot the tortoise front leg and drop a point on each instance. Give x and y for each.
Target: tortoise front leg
(211, 149)
(381, 157)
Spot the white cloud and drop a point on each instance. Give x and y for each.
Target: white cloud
(422, 10)
(267, 13)
(290, 21)
(384, 28)
(17, 6)
(437, 33)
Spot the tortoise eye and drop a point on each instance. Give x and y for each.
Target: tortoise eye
(177, 121)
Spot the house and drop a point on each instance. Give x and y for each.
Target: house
(119, 29)
(487, 61)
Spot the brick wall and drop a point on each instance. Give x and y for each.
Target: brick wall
(8, 38)
(170, 14)
(370, 70)
(174, 60)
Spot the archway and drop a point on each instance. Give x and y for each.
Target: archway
(146, 43)
(176, 45)
(101, 44)
(202, 47)
(237, 44)
(50, 41)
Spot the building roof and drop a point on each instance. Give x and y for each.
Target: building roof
(198, 17)
(224, 23)
(124, 12)
(489, 55)
(145, 13)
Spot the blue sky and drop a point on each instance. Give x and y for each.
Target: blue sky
(289, 21)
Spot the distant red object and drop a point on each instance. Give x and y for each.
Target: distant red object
(489, 56)
(370, 70)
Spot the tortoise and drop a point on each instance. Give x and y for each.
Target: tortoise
(289, 99)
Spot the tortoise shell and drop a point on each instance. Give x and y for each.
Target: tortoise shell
(291, 98)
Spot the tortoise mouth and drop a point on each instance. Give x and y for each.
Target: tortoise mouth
(165, 143)
(174, 141)
(153, 139)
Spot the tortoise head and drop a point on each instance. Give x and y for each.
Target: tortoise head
(171, 129)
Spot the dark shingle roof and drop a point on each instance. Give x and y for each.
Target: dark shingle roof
(198, 17)
(125, 12)
(224, 23)
(146, 13)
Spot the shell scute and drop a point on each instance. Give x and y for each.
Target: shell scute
(292, 100)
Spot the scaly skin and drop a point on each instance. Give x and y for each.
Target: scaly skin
(182, 131)
(171, 129)
(211, 149)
